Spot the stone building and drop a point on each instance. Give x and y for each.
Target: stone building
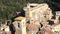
(36, 14)
(38, 11)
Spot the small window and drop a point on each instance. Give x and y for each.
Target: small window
(32, 6)
(53, 17)
(50, 22)
(45, 16)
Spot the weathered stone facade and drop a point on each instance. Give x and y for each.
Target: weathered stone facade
(38, 13)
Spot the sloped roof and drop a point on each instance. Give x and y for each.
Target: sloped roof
(19, 18)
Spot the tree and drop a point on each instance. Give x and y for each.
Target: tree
(8, 8)
(54, 4)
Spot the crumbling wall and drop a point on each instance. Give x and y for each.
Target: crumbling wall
(38, 12)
